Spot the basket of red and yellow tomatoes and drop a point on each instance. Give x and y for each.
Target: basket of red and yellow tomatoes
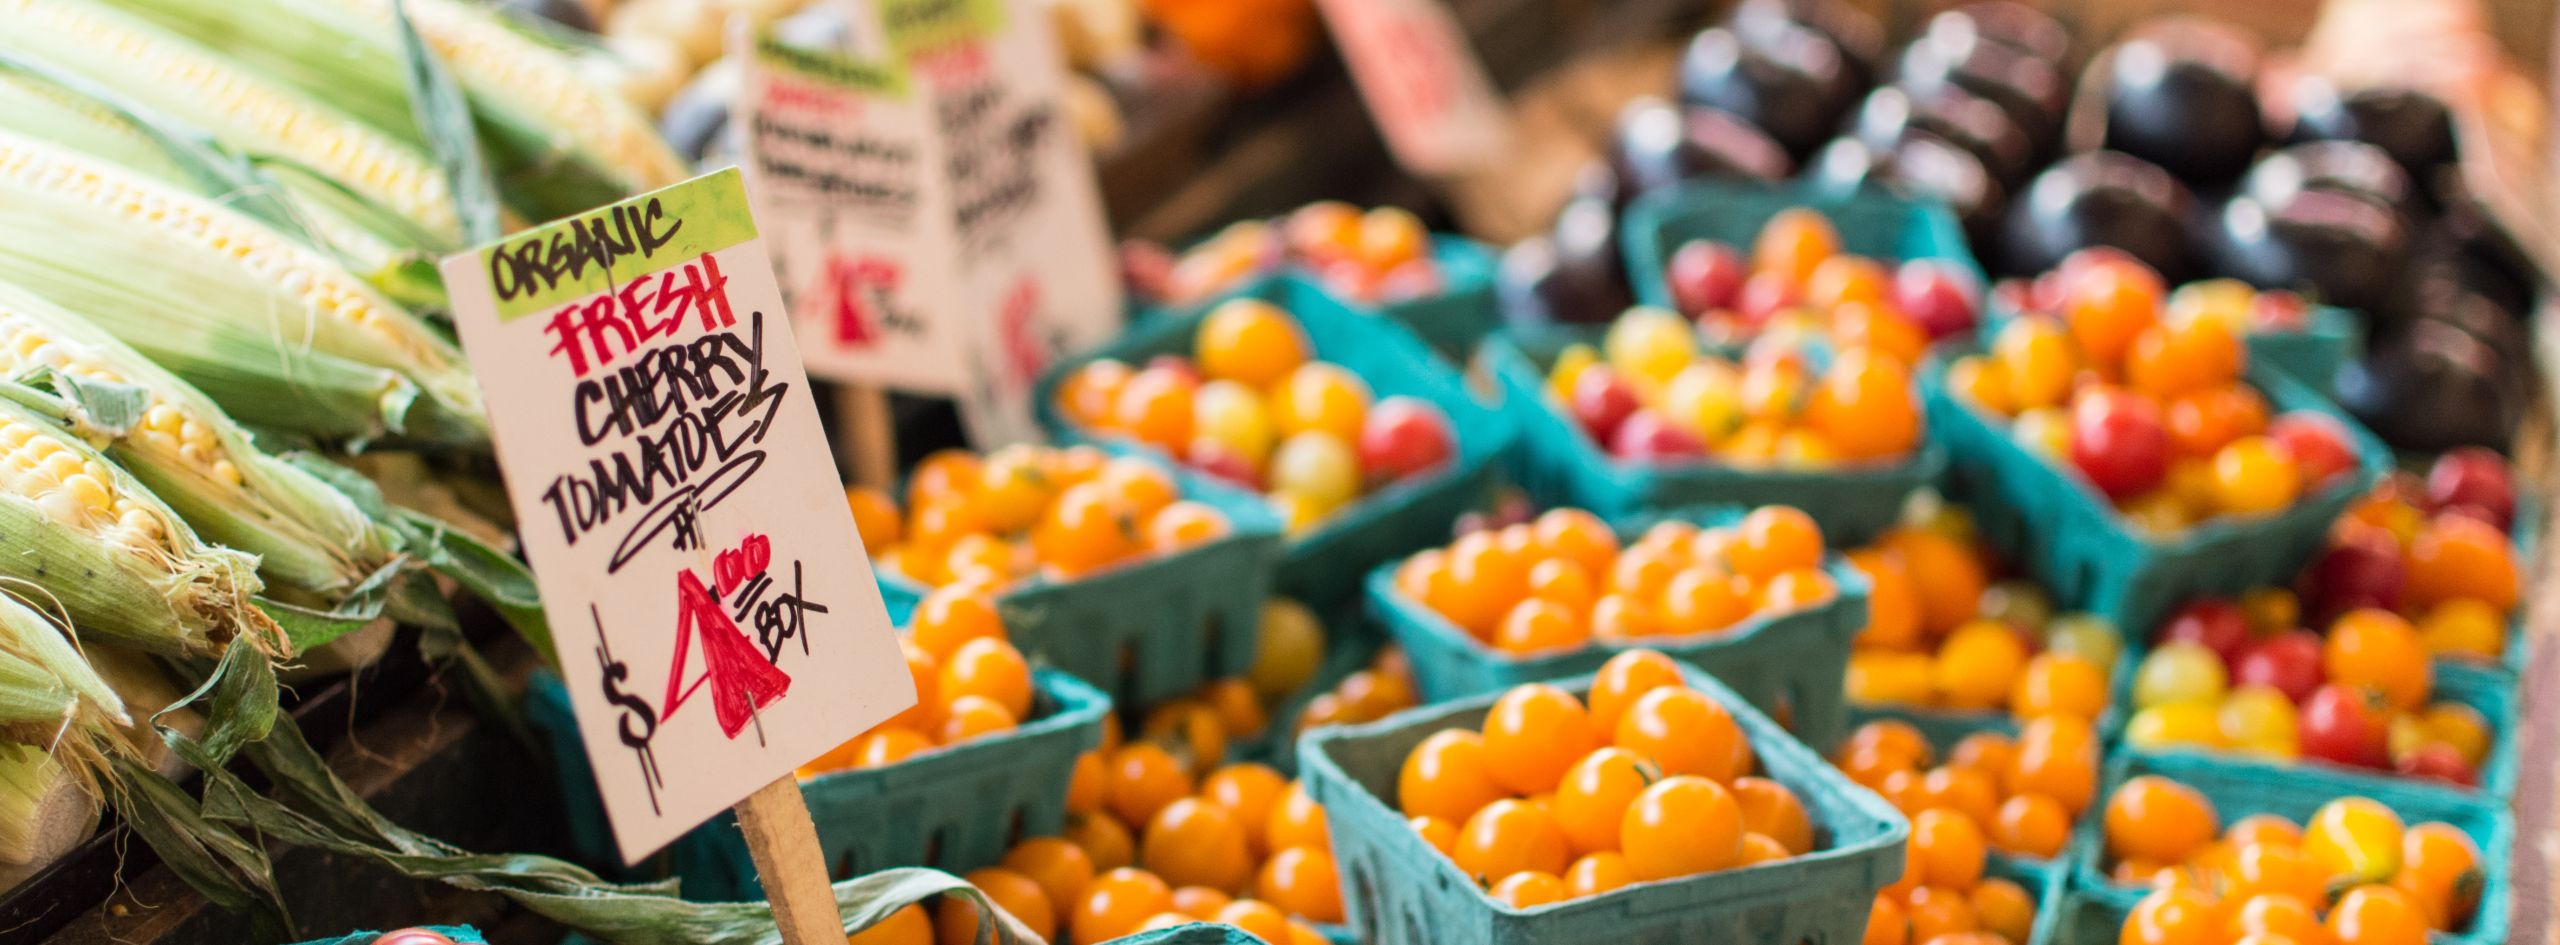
(2131, 460)
(1437, 284)
(1645, 804)
(2283, 329)
(1651, 419)
(1750, 596)
(2196, 851)
(1740, 258)
(1139, 578)
(1363, 444)
(2450, 550)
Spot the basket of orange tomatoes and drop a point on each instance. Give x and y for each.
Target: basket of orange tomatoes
(2310, 342)
(1143, 579)
(1749, 596)
(1364, 444)
(2130, 460)
(1437, 284)
(2195, 851)
(981, 754)
(1645, 804)
(1955, 645)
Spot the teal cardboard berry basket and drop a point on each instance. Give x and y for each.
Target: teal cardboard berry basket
(1196, 933)
(1323, 566)
(461, 934)
(1399, 891)
(1559, 464)
(2046, 880)
(2239, 788)
(1871, 223)
(1151, 629)
(2070, 537)
(2081, 919)
(1790, 662)
(959, 807)
(2487, 690)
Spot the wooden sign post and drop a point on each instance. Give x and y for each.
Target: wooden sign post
(714, 610)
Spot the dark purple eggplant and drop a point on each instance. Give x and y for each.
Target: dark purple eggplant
(1659, 144)
(2014, 25)
(1574, 274)
(1916, 164)
(2331, 245)
(2181, 95)
(2102, 198)
(1854, 32)
(2434, 388)
(1962, 118)
(2033, 91)
(2411, 126)
(1792, 85)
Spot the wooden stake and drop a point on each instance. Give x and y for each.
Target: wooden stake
(869, 436)
(784, 844)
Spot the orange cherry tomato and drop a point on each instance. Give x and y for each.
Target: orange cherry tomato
(1681, 826)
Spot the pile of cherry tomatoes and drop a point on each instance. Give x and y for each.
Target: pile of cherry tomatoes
(970, 682)
(1991, 792)
(1380, 255)
(1798, 280)
(2243, 308)
(1649, 394)
(2149, 406)
(2358, 696)
(2437, 550)
(1253, 406)
(2354, 874)
(1557, 799)
(1562, 582)
(1026, 512)
(1942, 634)
(1148, 848)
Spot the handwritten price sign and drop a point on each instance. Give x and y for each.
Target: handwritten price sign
(938, 225)
(678, 501)
(1424, 85)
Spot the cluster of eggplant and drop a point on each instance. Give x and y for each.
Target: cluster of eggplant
(2353, 200)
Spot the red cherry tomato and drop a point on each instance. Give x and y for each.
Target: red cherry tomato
(2346, 725)
(2119, 442)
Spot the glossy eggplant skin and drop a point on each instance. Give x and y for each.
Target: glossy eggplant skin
(1919, 164)
(2100, 198)
(2435, 387)
(1659, 144)
(1969, 121)
(1858, 35)
(1573, 274)
(2015, 25)
(2182, 96)
(2032, 90)
(2414, 128)
(1792, 85)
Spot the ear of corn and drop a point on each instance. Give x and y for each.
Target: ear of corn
(190, 454)
(559, 143)
(162, 70)
(85, 536)
(178, 276)
(388, 251)
(45, 683)
(44, 809)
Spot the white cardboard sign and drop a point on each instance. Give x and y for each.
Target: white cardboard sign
(992, 260)
(1423, 83)
(710, 602)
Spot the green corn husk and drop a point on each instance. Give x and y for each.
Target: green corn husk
(558, 144)
(173, 438)
(380, 246)
(46, 686)
(86, 537)
(250, 112)
(278, 334)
